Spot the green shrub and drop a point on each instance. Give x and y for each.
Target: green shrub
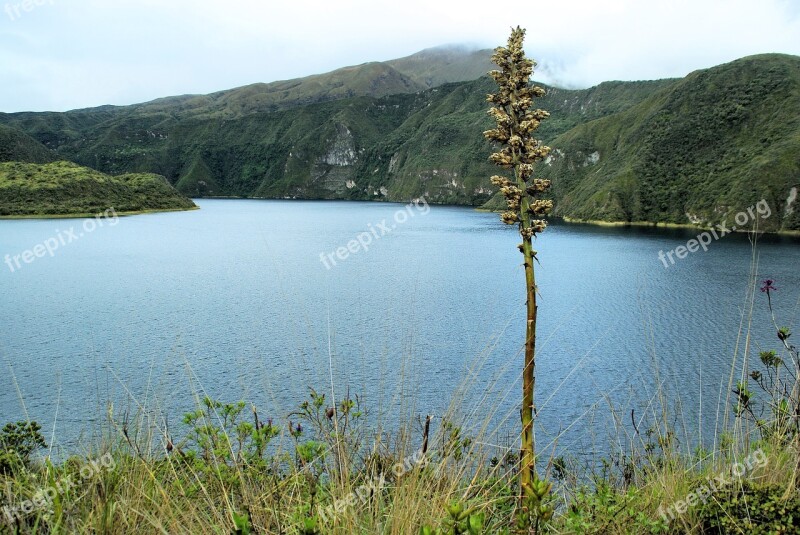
(752, 509)
(17, 442)
(605, 509)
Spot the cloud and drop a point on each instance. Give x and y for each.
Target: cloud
(69, 54)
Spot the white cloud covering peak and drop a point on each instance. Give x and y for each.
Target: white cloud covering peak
(66, 54)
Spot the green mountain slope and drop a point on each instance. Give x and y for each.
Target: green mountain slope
(692, 150)
(64, 188)
(372, 79)
(420, 71)
(702, 151)
(16, 145)
(400, 146)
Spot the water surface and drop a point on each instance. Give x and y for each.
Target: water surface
(234, 301)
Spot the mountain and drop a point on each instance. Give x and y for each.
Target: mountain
(16, 145)
(433, 67)
(423, 70)
(64, 188)
(389, 148)
(698, 149)
(370, 79)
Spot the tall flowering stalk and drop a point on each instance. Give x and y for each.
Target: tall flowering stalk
(519, 152)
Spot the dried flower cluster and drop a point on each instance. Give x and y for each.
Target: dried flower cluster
(527, 205)
(516, 123)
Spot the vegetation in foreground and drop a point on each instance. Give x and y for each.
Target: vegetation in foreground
(67, 189)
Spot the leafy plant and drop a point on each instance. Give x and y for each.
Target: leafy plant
(18, 441)
(218, 435)
(454, 443)
(748, 508)
(460, 521)
(241, 524)
(777, 412)
(607, 510)
(337, 427)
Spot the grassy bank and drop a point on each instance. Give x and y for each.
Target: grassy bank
(233, 473)
(651, 224)
(90, 215)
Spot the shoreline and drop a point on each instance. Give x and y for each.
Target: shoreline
(567, 220)
(662, 225)
(87, 215)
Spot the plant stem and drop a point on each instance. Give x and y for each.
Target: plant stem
(528, 460)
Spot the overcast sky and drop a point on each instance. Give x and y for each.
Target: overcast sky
(67, 54)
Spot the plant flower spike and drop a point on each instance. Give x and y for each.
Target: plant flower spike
(517, 120)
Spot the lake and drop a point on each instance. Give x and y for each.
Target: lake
(263, 300)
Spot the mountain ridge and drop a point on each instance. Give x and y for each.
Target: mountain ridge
(619, 155)
(691, 154)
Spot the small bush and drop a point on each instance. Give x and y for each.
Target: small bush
(17, 442)
(608, 510)
(752, 509)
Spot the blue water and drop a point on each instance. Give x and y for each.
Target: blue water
(234, 301)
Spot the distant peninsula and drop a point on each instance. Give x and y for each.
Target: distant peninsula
(66, 189)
